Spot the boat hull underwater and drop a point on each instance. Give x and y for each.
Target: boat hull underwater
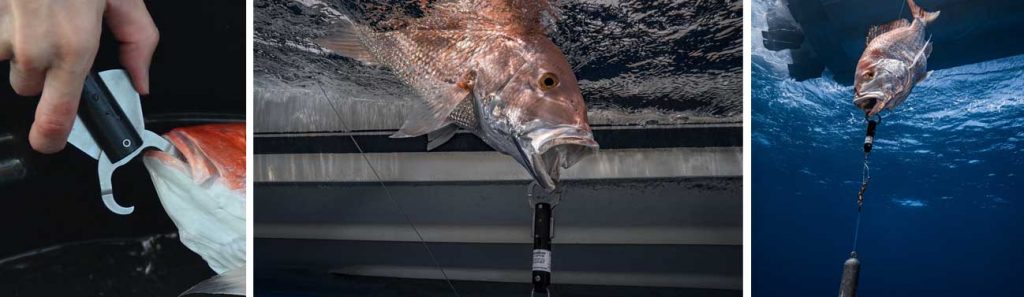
(654, 220)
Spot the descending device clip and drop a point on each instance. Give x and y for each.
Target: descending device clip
(543, 203)
(110, 129)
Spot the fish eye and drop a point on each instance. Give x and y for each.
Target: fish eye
(547, 81)
(869, 75)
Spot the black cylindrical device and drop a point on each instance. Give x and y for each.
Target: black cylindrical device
(869, 140)
(851, 275)
(541, 276)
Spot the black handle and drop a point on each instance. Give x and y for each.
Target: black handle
(106, 120)
(541, 276)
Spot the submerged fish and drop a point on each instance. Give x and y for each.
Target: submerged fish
(201, 185)
(485, 66)
(896, 58)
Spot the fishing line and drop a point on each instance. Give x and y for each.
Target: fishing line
(865, 179)
(869, 141)
(851, 267)
(388, 193)
(856, 232)
(902, 4)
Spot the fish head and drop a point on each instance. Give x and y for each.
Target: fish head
(213, 153)
(537, 115)
(879, 83)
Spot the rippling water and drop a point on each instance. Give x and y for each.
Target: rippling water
(942, 212)
(156, 265)
(672, 61)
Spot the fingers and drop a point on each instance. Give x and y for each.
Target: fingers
(27, 74)
(6, 53)
(133, 27)
(29, 59)
(52, 51)
(57, 69)
(57, 109)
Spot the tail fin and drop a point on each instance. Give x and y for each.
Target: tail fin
(920, 13)
(228, 283)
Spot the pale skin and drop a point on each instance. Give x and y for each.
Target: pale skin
(51, 45)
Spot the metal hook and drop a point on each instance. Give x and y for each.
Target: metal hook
(106, 169)
(537, 194)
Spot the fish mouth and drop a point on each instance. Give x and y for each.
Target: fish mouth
(548, 150)
(871, 103)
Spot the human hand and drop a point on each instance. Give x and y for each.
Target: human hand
(52, 44)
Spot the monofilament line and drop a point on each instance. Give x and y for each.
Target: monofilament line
(388, 192)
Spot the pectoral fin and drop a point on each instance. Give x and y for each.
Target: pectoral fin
(440, 136)
(436, 111)
(464, 116)
(921, 62)
(432, 116)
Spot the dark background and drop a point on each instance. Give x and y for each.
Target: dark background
(197, 76)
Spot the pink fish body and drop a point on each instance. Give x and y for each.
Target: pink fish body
(896, 59)
(485, 66)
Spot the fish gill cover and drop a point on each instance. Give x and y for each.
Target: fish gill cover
(941, 215)
(637, 62)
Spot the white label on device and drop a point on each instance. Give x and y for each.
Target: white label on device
(542, 260)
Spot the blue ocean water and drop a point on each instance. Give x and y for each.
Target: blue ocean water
(942, 215)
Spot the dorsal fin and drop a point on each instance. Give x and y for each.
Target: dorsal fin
(514, 15)
(877, 30)
(346, 40)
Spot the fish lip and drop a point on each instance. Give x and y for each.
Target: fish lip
(870, 103)
(547, 150)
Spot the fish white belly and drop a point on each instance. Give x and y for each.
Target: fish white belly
(210, 217)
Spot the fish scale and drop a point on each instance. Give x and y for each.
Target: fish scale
(431, 64)
(464, 115)
(903, 43)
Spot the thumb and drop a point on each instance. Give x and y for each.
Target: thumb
(133, 27)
